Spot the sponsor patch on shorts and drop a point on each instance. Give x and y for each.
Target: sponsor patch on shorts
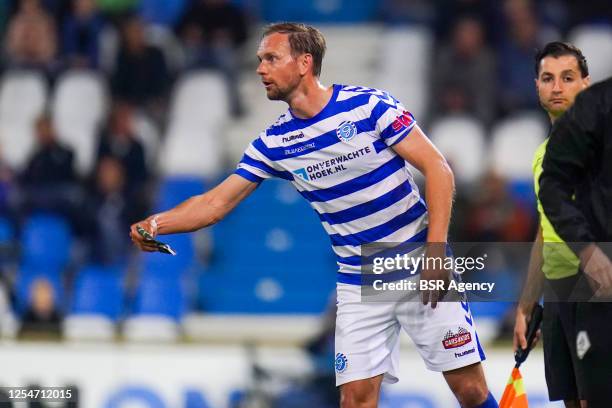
(458, 339)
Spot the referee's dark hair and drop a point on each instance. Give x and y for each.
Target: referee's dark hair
(303, 39)
(558, 49)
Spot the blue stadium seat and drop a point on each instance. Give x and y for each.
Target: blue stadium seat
(274, 221)
(174, 190)
(277, 198)
(160, 296)
(303, 10)
(46, 240)
(168, 265)
(162, 12)
(7, 241)
(271, 256)
(298, 287)
(523, 192)
(249, 302)
(98, 290)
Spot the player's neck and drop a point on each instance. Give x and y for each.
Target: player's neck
(309, 99)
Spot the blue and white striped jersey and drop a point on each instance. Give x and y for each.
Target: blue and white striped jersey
(342, 162)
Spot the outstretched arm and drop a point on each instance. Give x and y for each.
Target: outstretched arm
(196, 212)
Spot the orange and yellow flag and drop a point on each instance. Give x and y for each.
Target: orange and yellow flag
(514, 394)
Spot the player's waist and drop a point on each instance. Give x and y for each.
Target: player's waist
(350, 256)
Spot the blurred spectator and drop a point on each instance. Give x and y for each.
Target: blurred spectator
(108, 214)
(485, 11)
(464, 73)
(51, 163)
(120, 142)
(49, 181)
(555, 13)
(42, 315)
(213, 32)
(141, 75)
(57, 9)
(515, 58)
(31, 40)
(592, 11)
(81, 35)
(493, 215)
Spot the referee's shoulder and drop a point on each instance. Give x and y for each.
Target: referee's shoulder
(598, 94)
(590, 105)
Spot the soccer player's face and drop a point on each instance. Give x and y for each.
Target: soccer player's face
(558, 83)
(278, 69)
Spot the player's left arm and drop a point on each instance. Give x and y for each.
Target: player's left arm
(417, 150)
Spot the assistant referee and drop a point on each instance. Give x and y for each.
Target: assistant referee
(561, 74)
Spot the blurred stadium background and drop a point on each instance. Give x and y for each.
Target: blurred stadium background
(112, 109)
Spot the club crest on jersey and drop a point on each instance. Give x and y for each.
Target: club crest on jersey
(454, 340)
(341, 363)
(346, 131)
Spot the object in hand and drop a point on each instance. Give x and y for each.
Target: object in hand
(161, 247)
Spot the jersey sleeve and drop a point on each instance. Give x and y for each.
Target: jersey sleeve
(393, 121)
(255, 165)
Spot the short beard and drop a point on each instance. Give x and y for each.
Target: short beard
(555, 113)
(279, 94)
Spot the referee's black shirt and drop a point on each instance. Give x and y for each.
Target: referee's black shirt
(578, 164)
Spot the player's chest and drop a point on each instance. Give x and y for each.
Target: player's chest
(328, 157)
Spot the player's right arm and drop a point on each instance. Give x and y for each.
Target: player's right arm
(196, 212)
(532, 291)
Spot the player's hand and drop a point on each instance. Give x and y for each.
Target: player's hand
(597, 266)
(523, 315)
(435, 274)
(150, 225)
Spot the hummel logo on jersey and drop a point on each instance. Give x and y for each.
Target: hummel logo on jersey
(465, 353)
(346, 131)
(297, 136)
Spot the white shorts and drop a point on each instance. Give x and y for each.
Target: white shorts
(367, 336)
